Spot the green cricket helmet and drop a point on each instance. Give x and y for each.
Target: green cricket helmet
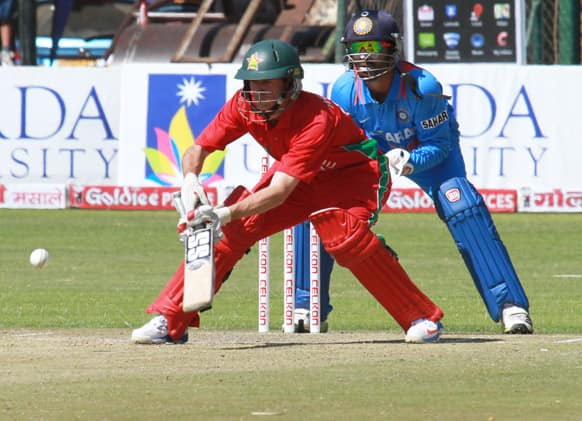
(270, 59)
(267, 60)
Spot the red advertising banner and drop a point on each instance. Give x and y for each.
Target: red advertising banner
(416, 200)
(127, 198)
(408, 200)
(500, 200)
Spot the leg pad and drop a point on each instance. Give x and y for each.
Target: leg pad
(464, 211)
(353, 245)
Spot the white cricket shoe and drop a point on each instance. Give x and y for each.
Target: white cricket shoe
(156, 332)
(516, 320)
(424, 331)
(301, 322)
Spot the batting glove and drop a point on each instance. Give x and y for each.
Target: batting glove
(217, 217)
(398, 161)
(192, 192)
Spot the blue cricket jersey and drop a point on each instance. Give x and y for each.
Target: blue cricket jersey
(414, 116)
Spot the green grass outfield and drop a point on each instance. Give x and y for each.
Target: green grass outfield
(107, 266)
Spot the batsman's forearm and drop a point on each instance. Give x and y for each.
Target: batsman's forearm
(263, 200)
(193, 159)
(257, 203)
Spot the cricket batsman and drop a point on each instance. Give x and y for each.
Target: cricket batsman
(402, 107)
(326, 171)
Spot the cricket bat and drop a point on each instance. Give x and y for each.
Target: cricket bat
(199, 269)
(198, 263)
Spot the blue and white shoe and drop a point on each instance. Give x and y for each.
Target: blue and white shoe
(301, 322)
(516, 320)
(155, 332)
(424, 331)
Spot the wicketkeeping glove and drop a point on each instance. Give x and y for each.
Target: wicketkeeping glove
(398, 161)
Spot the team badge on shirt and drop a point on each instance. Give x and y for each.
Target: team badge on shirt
(253, 62)
(403, 115)
(363, 26)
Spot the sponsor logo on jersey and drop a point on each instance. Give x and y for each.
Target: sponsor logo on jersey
(400, 136)
(453, 195)
(435, 121)
(327, 165)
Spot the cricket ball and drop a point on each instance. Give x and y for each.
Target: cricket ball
(39, 258)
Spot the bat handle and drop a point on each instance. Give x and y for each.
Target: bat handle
(178, 204)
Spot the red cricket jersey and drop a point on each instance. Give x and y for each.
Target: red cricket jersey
(308, 138)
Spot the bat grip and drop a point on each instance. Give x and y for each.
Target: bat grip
(177, 200)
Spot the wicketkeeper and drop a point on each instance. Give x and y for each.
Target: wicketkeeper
(325, 170)
(402, 106)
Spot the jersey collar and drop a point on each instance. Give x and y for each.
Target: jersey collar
(365, 97)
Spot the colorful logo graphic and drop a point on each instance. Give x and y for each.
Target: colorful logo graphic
(253, 62)
(502, 11)
(451, 11)
(476, 12)
(426, 40)
(363, 26)
(502, 39)
(425, 13)
(477, 40)
(179, 108)
(453, 195)
(452, 39)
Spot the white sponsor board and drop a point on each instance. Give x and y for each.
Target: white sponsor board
(83, 126)
(519, 124)
(33, 196)
(243, 157)
(59, 125)
(554, 200)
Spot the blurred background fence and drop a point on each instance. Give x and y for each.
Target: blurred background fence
(220, 28)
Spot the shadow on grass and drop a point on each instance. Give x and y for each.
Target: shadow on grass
(357, 342)
(468, 340)
(293, 344)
